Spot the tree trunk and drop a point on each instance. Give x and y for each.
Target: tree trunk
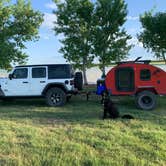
(84, 75)
(103, 71)
(164, 57)
(102, 68)
(84, 70)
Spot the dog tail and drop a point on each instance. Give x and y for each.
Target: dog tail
(127, 116)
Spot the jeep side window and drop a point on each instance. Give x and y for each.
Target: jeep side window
(39, 72)
(20, 73)
(145, 74)
(59, 72)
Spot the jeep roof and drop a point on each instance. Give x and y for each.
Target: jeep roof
(44, 65)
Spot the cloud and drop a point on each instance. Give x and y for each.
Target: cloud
(133, 30)
(49, 20)
(135, 42)
(51, 6)
(45, 36)
(132, 18)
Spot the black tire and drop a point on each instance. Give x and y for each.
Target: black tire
(146, 100)
(55, 97)
(78, 81)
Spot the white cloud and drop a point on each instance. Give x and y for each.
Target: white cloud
(49, 20)
(135, 42)
(132, 18)
(133, 31)
(45, 36)
(51, 6)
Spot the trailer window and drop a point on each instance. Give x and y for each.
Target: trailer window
(145, 75)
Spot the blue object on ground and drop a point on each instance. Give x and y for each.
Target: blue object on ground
(100, 89)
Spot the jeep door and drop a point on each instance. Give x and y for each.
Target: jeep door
(38, 80)
(18, 84)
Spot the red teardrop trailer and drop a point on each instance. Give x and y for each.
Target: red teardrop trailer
(139, 79)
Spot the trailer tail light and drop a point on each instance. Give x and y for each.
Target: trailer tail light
(71, 82)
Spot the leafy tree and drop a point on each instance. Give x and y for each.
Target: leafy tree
(18, 23)
(153, 35)
(74, 20)
(92, 29)
(109, 38)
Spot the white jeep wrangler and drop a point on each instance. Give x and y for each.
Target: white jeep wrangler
(55, 82)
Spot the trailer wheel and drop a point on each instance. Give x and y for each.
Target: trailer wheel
(55, 97)
(146, 100)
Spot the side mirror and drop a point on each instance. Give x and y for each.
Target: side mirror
(10, 76)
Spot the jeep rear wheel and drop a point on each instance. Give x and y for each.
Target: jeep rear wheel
(55, 97)
(146, 100)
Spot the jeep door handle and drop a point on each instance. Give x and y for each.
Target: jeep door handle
(25, 82)
(42, 81)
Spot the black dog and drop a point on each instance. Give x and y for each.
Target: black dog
(111, 110)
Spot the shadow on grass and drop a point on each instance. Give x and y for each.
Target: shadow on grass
(37, 102)
(74, 111)
(78, 110)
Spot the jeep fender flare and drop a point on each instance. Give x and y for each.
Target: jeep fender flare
(55, 84)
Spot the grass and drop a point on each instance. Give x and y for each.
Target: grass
(33, 134)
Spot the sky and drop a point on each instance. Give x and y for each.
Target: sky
(45, 50)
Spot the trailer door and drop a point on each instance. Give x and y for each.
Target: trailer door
(124, 79)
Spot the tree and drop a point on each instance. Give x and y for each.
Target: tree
(92, 29)
(18, 23)
(109, 38)
(74, 20)
(153, 35)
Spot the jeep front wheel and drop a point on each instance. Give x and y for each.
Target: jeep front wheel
(55, 97)
(146, 100)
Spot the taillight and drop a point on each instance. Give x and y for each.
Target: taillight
(71, 82)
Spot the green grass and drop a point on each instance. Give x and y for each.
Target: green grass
(32, 134)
